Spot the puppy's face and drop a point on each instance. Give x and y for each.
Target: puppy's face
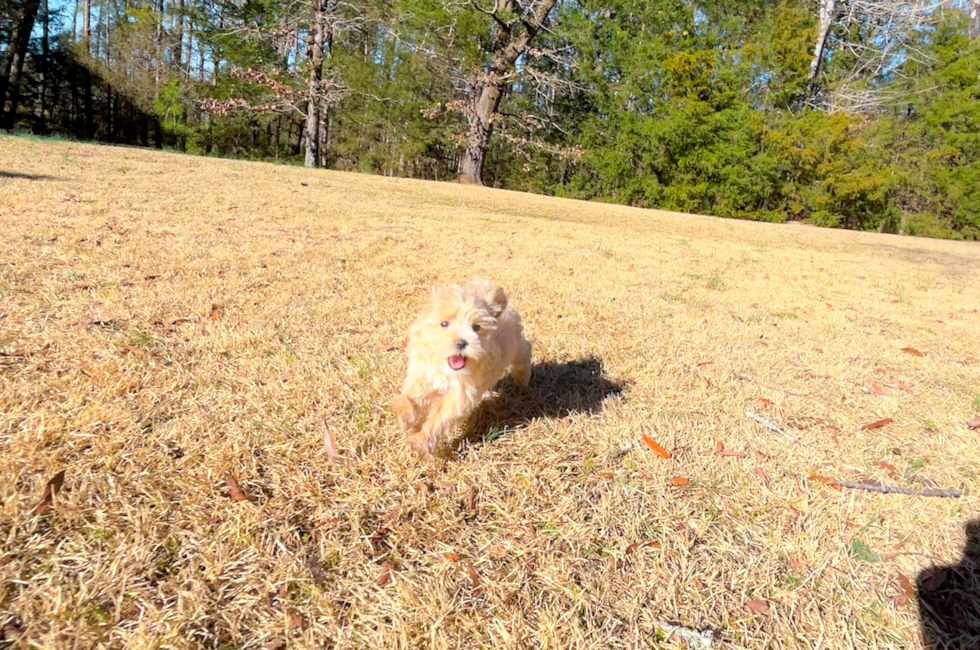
(451, 335)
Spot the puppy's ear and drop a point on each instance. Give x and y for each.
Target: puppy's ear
(496, 301)
(494, 296)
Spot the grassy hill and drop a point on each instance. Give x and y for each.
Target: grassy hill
(166, 320)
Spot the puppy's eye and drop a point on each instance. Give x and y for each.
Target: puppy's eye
(444, 323)
(476, 328)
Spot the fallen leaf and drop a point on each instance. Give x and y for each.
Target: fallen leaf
(761, 474)
(471, 497)
(328, 443)
(877, 390)
(50, 490)
(826, 481)
(647, 542)
(214, 312)
(735, 454)
(316, 571)
(879, 371)
(678, 481)
(234, 489)
(887, 466)
(878, 424)
(913, 352)
(474, 576)
(906, 585)
(796, 564)
(974, 423)
(757, 606)
(705, 363)
(660, 451)
(151, 278)
(385, 576)
(902, 386)
(767, 402)
(295, 620)
(452, 557)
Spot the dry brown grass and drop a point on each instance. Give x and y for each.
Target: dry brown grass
(116, 372)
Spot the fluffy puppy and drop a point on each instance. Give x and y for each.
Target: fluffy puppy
(460, 345)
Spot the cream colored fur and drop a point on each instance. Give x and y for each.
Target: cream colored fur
(437, 397)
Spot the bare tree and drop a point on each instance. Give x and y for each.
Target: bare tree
(823, 29)
(973, 11)
(516, 23)
(17, 53)
(314, 59)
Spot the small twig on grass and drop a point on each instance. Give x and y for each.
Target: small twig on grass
(951, 493)
(770, 425)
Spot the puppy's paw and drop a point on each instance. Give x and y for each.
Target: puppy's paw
(422, 442)
(406, 411)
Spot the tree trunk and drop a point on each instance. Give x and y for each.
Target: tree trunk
(973, 11)
(823, 29)
(505, 48)
(45, 66)
(87, 79)
(15, 61)
(314, 58)
(178, 33)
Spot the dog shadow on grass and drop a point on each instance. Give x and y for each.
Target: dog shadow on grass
(949, 599)
(555, 390)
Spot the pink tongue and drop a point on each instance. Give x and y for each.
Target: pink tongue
(457, 362)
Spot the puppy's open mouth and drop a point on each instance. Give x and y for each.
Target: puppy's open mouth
(457, 362)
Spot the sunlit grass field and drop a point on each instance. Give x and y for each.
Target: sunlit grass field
(166, 321)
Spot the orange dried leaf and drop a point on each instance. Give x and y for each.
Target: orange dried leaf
(888, 466)
(767, 402)
(733, 454)
(452, 557)
(295, 620)
(913, 352)
(474, 576)
(635, 545)
(234, 489)
(471, 497)
(385, 576)
(902, 386)
(826, 481)
(678, 481)
(761, 474)
(906, 585)
(660, 451)
(757, 606)
(214, 312)
(878, 424)
(879, 371)
(877, 390)
(50, 490)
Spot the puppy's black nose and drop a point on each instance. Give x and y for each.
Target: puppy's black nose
(461, 344)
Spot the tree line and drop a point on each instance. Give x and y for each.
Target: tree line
(859, 114)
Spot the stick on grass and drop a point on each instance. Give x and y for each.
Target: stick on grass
(951, 493)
